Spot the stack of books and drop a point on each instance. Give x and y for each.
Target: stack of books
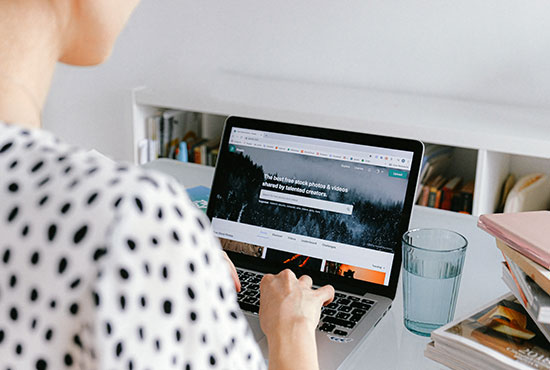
(178, 135)
(513, 331)
(439, 191)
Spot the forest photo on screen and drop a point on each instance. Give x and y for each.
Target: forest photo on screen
(376, 197)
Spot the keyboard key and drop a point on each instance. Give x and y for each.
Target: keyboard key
(361, 305)
(341, 333)
(340, 322)
(249, 307)
(343, 315)
(250, 300)
(355, 318)
(329, 312)
(345, 309)
(332, 305)
(354, 298)
(343, 301)
(367, 301)
(359, 312)
(327, 327)
(339, 295)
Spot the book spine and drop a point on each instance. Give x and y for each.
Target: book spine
(438, 197)
(214, 154)
(197, 155)
(447, 199)
(516, 282)
(531, 269)
(169, 137)
(466, 202)
(507, 277)
(432, 197)
(423, 201)
(152, 124)
(203, 150)
(161, 137)
(517, 243)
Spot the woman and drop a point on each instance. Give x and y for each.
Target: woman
(107, 266)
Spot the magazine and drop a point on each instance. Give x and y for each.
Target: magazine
(501, 333)
(539, 274)
(459, 359)
(199, 196)
(531, 309)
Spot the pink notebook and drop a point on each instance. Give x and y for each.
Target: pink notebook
(526, 232)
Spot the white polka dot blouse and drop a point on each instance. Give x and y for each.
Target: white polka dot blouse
(108, 266)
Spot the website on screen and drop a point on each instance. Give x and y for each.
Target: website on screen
(312, 203)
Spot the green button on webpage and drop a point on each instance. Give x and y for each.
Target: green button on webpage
(397, 173)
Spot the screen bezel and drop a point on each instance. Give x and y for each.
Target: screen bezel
(322, 278)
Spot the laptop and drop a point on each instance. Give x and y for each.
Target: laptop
(328, 203)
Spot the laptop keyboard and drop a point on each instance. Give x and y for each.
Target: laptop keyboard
(249, 296)
(339, 317)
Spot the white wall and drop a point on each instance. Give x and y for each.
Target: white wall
(495, 51)
(87, 106)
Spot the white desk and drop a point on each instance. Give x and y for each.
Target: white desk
(390, 345)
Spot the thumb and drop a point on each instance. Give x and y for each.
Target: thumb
(325, 294)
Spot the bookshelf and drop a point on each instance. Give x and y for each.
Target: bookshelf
(490, 140)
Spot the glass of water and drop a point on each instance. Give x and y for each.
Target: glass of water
(432, 267)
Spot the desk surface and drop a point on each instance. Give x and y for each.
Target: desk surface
(480, 281)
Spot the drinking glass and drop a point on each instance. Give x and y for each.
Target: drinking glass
(432, 267)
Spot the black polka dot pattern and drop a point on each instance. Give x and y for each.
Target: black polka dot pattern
(107, 261)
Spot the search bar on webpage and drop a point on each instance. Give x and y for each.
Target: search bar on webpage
(298, 200)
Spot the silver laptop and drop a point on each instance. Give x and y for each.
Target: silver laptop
(327, 203)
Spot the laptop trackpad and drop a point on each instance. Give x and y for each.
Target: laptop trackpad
(254, 323)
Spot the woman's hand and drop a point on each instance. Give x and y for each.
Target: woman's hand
(285, 300)
(233, 272)
(289, 313)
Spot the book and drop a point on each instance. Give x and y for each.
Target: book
(168, 128)
(520, 291)
(507, 185)
(536, 272)
(465, 199)
(203, 150)
(213, 157)
(434, 196)
(530, 193)
(525, 232)
(195, 151)
(426, 195)
(175, 127)
(152, 127)
(423, 197)
(499, 335)
(199, 195)
(448, 191)
(436, 160)
(531, 310)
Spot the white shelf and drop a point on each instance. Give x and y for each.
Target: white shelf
(510, 129)
(491, 140)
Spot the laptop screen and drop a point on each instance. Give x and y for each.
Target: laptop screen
(312, 203)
